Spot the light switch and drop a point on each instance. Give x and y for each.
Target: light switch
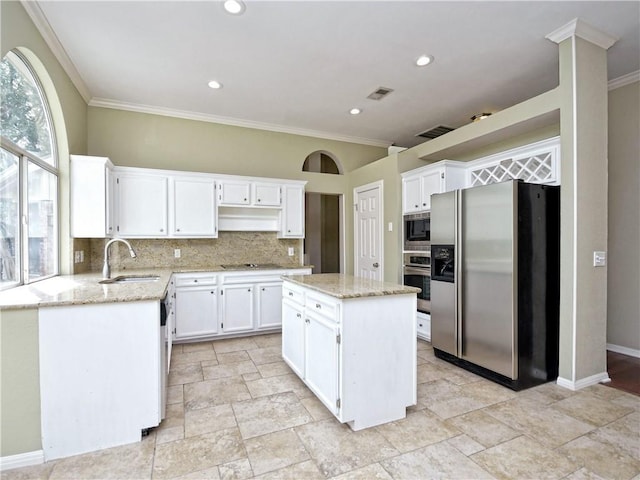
(390, 227)
(599, 259)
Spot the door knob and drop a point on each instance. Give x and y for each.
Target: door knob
(376, 265)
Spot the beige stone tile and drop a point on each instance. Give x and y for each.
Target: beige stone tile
(440, 460)
(169, 434)
(300, 471)
(234, 344)
(628, 400)
(418, 429)
(174, 416)
(546, 425)
(602, 391)
(210, 419)
(195, 356)
(195, 347)
(175, 394)
(523, 457)
(601, 458)
(455, 406)
(436, 391)
(424, 346)
(35, 472)
(583, 474)
(546, 393)
(187, 373)
(272, 385)
(316, 408)
(274, 369)
(228, 370)
(337, 449)
(591, 409)
(128, 461)
(475, 395)
(235, 470)
(428, 372)
(249, 377)
(483, 428)
(268, 340)
(370, 472)
(275, 451)
(232, 357)
(197, 453)
(264, 355)
(467, 445)
(206, 474)
(215, 392)
(623, 434)
(269, 414)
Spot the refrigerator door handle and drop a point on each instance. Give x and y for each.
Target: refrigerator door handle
(457, 256)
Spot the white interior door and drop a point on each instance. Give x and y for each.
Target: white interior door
(368, 231)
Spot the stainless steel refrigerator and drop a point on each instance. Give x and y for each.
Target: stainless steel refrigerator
(495, 281)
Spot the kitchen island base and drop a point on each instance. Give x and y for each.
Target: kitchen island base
(357, 354)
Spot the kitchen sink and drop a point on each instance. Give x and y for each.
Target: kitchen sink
(131, 279)
(252, 266)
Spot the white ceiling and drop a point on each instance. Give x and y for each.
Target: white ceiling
(301, 66)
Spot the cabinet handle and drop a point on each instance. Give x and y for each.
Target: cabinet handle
(308, 321)
(162, 229)
(298, 315)
(245, 199)
(291, 294)
(177, 229)
(424, 204)
(416, 206)
(212, 293)
(318, 306)
(248, 289)
(259, 200)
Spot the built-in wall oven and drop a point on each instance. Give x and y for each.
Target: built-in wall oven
(417, 273)
(417, 231)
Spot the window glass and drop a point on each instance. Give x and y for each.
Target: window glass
(24, 116)
(41, 232)
(9, 219)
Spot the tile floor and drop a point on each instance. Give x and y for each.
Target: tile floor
(237, 412)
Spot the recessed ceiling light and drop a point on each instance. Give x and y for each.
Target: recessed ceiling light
(480, 116)
(355, 111)
(214, 84)
(234, 7)
(424, 60)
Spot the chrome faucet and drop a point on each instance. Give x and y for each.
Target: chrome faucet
(106, 269)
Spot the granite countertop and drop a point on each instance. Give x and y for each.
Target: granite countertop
(83, 289)
(347, 286)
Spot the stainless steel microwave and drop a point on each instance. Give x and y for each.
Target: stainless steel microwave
(417, 231)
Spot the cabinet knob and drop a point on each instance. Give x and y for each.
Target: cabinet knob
(416, 206)
(259, 200)
(248, 289)
(245, 199)
(162, 229)
(424, 204)
(318, 305)
(291, 294)
(177, 229)
(195, 280)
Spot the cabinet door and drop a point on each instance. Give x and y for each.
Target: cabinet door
(431, 183)
(142, 205)
(196, 311)
(237, 308)
(90, 197)
(411, 195)
(293, 329)
(269, 309)
(292, 220)
(321, 359)
(266, 194)
(234, 193)
(194, 203)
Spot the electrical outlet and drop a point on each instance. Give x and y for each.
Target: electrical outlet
(292, 251)
(177, 253)
(81, 256)
(76, 257)
(599, 259)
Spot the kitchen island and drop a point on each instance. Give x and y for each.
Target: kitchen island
(353, 342)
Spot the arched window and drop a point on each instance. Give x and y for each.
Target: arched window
(28, 177)
(321, 162)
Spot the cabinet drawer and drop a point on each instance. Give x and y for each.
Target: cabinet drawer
(292, 294)
(321, 306)
(195, 280)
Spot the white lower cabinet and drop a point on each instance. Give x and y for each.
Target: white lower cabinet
(225, 304)
(237, 308)
(357, 355)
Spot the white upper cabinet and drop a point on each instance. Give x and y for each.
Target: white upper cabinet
(234, 193)
(292, 216)
(142, 205)
(194, 207)
(418, 185)
(91, 197)
(267, 194)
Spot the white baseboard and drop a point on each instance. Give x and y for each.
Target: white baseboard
(22, 460)
(583, 382)
(632, 352)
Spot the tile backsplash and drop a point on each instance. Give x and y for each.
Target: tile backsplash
(230, 247)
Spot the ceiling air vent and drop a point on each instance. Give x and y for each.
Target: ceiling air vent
(435, 132)
(380, 93)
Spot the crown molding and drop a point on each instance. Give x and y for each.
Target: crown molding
(627, 79)
(42, 24)
(203, 117)
(580, 28)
